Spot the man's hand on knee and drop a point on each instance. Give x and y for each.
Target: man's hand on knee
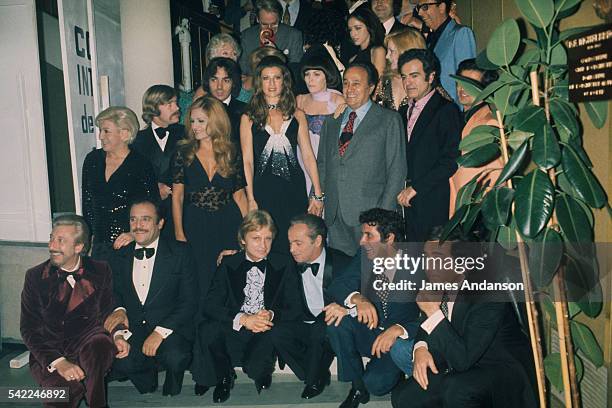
(334, 313)
(116, 318)
(386, 340)
(69, 371)
(123, 347)
(366, 312)
(423, 360)
(151, 344)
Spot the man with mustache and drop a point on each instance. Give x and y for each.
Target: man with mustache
(63, 306)
(155, 299)
(158, 142)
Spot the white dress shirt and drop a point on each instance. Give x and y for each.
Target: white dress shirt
(294, 10)
(160, 142)
(142, 272)
(389, 25)
(313, 286)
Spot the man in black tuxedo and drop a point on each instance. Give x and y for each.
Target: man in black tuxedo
(157, 142)
(155, 298)
(433, 125)
(222, 80)
(369, 323)
(252, 294)
(476, 351)
(309, 353)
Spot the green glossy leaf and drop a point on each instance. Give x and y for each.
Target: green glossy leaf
(503, 43)
(573, 221)
(453, 222)
(470, 218)
(494, 130)
(564, 117)
(529, 119)
(534, 199)
(552, 369)
(571, 32)
(530, 58)
(573, 309)
(483, 62)
(506, 237)
(502, 100)
(598, 112)
(562, 5)
(548, 307)
(558, 55)
(473, 88)
(475, 140)
(561, 89)
(582, 284)
(514, 163)
(537, 12)
(515, 139)
(545, 255)
(546, 151)
(583, 180)
(488, 91)
(496, 207)
(585, 341)
(465, 193)
(479, 156)
(575, 142)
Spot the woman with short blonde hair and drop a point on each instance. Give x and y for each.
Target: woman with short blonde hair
(113, 177)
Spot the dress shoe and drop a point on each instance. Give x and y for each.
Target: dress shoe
(354, 398)
(263, 383)
(311, 391)
(200, 389)
(222, 390)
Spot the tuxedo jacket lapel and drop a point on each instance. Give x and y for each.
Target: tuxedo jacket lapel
(273, 278)
(159, 275)
(366, 127)
(127, 271)
(237, 278)
(427, 114)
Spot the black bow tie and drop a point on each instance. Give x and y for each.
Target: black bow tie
(63, 275)
(141, 253)
(261, 265)
(314, 267)
(161, 132)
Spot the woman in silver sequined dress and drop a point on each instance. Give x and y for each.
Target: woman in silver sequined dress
(270, 132)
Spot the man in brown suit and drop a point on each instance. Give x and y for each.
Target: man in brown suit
(63, 306)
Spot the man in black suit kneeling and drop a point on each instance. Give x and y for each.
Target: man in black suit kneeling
(155, 299)
(308, 351)
(253, 293)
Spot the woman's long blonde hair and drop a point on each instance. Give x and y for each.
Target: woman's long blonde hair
(404, 40)
(218, 128)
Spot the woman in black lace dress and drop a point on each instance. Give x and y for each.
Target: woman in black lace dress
(270, 132)
(113, 177)
(208, 197)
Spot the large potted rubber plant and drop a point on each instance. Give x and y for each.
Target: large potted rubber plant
(541, 204)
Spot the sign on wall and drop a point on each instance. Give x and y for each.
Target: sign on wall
(78, 85)
(589, 58)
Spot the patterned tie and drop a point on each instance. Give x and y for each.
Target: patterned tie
(347, 134)
(286, 15)
(384, 294)
(444, 304)
(410, 111)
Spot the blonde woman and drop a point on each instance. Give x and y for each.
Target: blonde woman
(390, 93)
(208, 200)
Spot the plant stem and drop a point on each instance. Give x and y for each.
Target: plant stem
(532, 312)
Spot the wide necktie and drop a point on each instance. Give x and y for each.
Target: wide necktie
(141, 253)
(347, 133)
(286, 15)
(444, 304)
(383, 294)
(314, 267)
(261, 265)
(161, 132)
(410, 111)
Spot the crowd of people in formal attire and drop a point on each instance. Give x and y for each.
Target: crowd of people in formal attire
(323, 138)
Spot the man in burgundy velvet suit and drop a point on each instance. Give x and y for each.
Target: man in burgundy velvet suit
(63, 306)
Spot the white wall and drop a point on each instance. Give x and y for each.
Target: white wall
(147, 48)
(25, 213)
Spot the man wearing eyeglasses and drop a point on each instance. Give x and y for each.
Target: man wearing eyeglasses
(270, 32)
(451, 42)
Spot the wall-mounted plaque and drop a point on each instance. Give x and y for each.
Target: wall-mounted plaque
(589, 58)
